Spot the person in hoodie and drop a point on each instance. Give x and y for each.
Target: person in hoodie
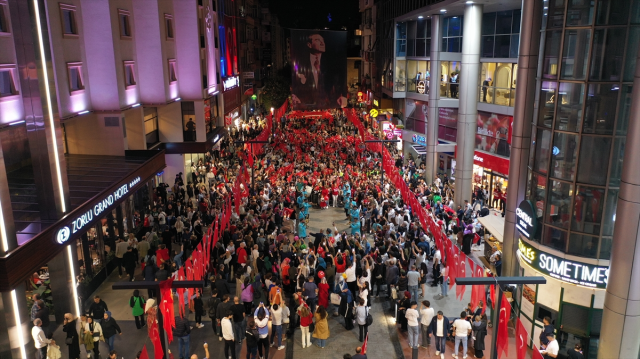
(109, 329)
(252, 337)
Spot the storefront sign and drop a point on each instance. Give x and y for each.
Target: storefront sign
(231, 82)
(375, 103)
(248, 75)
(421, 87)
(420, 140)
(494, 163)
(588, 275)
(527, 221)
(99, 207)
(373, 113)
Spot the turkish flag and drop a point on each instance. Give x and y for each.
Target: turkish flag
(364, 345)
(166, 308)
(522, 338)
(502, 341)
(143, 353)
(536, 353)
(477, 292)
(454, 263)
(492, 295)
(462, 272)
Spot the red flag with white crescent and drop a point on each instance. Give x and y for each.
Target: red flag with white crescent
(522, 338)
(502, 342)
(364, 345)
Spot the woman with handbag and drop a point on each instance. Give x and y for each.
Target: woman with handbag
(93, 330)
(137, 308)
(72, 339)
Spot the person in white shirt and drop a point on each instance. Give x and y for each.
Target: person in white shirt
(413, 325)
(40, 339)
(227, 335)
(276, 323)
(462, 330)
(552, 349)
(426, 314)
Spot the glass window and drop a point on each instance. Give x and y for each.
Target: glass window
(421, 29)
(400, 76)
(558, 204)
(610, 212)
(583, 246)
(563, 156)
(454, 27)
(411, 30)
(575, 54)
(630, 58)
(7, 85)
(489, 23)
(569, 117)
(454, 44)
(587, 210)
(616, 161)
(543, 145)
(69, 21)
(411, 47)
(556, 13)
(487, 46)
(548, 100)
(75, 78)
(580, 12)
(551, 52)
(515, 26)
(635, 12)
(4, 23)
(612, 12)
(503, 22)
(601, 108)
(515, 46)
(605, 248)
(421, 48)
(607, 54)
(401, 31)
(412, 75)
(555, 238)
(539, 184)
(502, 46)
(594, 157)
(503, 94)
(625, 108)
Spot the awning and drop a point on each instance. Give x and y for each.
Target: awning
(494, 224)
(421, 150)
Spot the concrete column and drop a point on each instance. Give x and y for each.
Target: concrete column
(621, 313)
(62, 283)
(434, 96)
(468, 109)
(136, 134)
(521, 133)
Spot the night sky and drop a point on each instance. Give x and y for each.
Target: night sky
(313, 14)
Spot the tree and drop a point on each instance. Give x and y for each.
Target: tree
(275, 91)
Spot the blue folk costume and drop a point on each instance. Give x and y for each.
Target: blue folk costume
(302, 227)
(355, 228)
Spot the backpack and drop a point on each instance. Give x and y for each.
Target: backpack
(213, 306)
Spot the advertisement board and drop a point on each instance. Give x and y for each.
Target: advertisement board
(319, 71)
(493, 133)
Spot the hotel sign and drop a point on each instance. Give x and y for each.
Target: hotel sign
(77, 223)
(584, 274)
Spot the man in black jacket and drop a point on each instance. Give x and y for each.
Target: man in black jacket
(129, 260)
(223, 308)
(182, 331)
(97, 309)
(222, 286)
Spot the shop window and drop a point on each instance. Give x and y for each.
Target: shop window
(8, 80)
(616, 161)
(400, 76)
(581, 325)
(607, 54)
(570, 99)
(151, 126)
(74, 72)
(580, 13)
(188, 121)
(69, 24)
(551, 53)
(449, 78)
(605, 248)
(555, 238)
(4, 18)
(497, 83)
(594, 158)
(610, 207)
(575, 54)
(587, 210)
(543, 150)
(559, 203)
(418, 73)
(539, 186)
(612, 12)
(124, 17)
(172, 71)
(583, 246)
(563, 156)
(129, 74)
(168, 24)
(601, 108)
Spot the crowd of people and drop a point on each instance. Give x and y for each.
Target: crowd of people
(268, 267)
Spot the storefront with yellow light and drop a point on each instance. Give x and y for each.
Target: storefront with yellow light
(573, 295)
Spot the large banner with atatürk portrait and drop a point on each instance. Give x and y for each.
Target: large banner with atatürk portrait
(319, 69)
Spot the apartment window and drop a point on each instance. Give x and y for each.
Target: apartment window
(129, 74)
(7, 80)
(172, 71)
(168, 23)
(4, 17)
(69, 24)
(125, 23)
(74, 71)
